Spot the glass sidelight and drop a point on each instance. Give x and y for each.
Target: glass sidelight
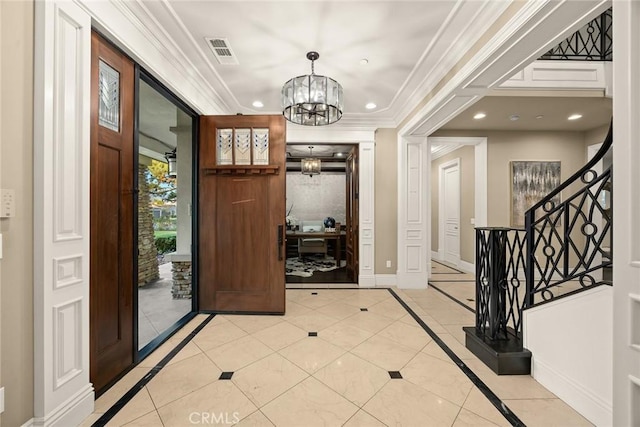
(165, 177)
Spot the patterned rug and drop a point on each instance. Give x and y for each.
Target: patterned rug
(304, 267)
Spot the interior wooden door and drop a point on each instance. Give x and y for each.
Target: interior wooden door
(241, 214)
(352, 214)
(112, 198)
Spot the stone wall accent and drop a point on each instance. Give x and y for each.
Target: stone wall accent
(181, 271)
(147, 252)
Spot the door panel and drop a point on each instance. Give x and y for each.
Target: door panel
(241, 221)
(353, 213)
(451, 200)
(111, 277)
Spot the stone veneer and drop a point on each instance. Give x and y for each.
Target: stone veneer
(181, 271)
(147, 252)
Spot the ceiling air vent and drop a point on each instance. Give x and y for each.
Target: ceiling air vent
(222, 51)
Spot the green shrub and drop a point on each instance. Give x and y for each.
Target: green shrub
(165, 244)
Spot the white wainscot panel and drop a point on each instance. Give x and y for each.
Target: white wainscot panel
(67, 335)
(414, 258)
(367, 256)
(67, 271)
(68, 117)
(561, 75)
(414, 234)
(414, 193)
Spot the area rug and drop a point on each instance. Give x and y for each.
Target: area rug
(305, 267)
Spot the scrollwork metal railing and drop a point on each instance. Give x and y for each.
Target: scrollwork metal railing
(500, 281)
(592, 42)
(565, 248)
(569, 244)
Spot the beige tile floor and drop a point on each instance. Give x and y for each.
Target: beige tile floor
(283, 377)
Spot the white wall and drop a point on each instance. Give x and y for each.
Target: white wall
(580, 374)
(317, 197)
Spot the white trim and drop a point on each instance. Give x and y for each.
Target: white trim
(368, 281)
(386, 280)
(467, 267)
(435, 255)
(63, 394)
(591, 406)
(441, 207)
(561, 75)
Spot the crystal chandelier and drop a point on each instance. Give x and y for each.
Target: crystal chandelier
(312, 100)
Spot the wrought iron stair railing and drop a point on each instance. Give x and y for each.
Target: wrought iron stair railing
(592, 42)
(565, 248)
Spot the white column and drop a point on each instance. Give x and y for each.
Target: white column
(63, 394)
(184, 188)
(367, 207)
(414, 219)
(626, 227)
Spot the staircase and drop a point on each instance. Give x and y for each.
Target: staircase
(543, 293)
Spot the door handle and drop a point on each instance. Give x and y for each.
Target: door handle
(280, 241)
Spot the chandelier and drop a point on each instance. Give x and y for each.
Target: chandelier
(312, 100)
(310, 166)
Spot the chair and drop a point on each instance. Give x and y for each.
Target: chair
(312, 245)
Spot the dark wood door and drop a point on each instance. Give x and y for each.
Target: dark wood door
(111, 277)
(241, 218)
(352, 214)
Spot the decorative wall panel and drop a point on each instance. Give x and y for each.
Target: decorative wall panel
(261, 146)
(414, 257)
(414, 194)
(67, 271)
(67, 346)
(67, 133)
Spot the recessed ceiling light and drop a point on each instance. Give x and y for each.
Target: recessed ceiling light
(258, 104)
(574, 117)
(539, 116)
(370, 106)
(339, 154)
(514, 117)
(363, 61)
(479, 116)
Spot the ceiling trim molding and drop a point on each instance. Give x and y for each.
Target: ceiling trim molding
(538, 24)
(441, 150)
(466, 27)
(335, 135)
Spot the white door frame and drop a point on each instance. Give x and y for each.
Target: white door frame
(441, 208)
(365, 140)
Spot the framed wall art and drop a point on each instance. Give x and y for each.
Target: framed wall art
(530, 182)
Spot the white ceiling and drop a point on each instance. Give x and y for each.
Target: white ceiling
(410, 45)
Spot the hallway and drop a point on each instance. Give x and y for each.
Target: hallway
(283, 375)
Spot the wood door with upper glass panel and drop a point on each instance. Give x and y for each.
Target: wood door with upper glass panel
(241, 231)
(112, 199)
(353, 213)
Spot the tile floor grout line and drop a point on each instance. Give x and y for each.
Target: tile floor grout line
(454, 299)
(131, 393)
(449, 267)
(488, 393)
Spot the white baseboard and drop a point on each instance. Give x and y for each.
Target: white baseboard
(435, 255)
(386, 280)
(70, 413)
(589, 405)
(467, 267)
(368, 281)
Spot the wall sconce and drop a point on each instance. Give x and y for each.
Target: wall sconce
(310, 166)
(172, 162)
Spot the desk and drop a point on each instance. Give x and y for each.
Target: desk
(337, 236)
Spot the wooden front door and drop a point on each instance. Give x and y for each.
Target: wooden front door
(241, 217)
(353, 213)
(112, 254)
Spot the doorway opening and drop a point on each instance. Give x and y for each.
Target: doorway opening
(320, 220)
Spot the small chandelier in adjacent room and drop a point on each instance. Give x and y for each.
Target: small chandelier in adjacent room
(310, 166)
(172, 159)
(312, 100)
